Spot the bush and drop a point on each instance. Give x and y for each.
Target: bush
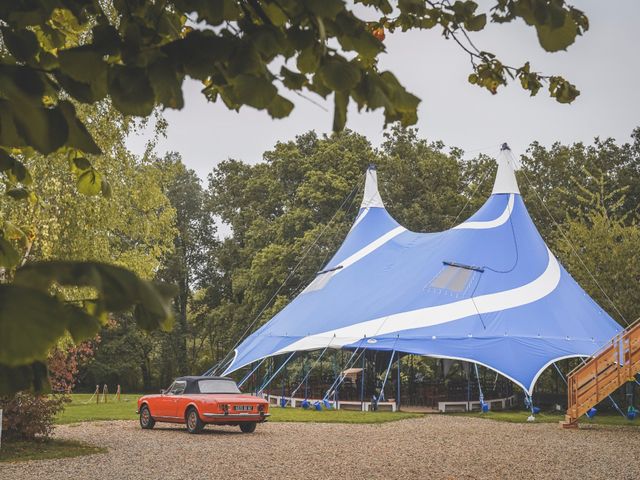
(26, 416)
(64, 361)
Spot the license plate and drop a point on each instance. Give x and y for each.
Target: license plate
(242, 408)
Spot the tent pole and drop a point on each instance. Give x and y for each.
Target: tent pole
(284, 379)
(268, 382)
(248, 375)
(306, 379)
(386, 375)
(468, 389)
(362, 380)
(398, 385)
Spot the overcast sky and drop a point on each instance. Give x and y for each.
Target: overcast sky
(604, 64)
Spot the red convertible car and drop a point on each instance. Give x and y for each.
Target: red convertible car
(198, 401)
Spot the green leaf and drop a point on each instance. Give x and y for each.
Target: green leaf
(153, 312)
(383, 5)
(118, 288)
(280, 107)
(255, 91)
(79, 137)
(14, 169)
(477, 23)
(18, 193)
(340, 101)
(9, 256)
(23, 43)
(339, 75)
(292, 80)
(275, 14)
(80, 91)
(43, 128)
(555, 39)
(81, 325)
(90, 182)
(364, 43)
(217, 11)
(81, 163)
(33, 377)
(309, 59)
(131, 91)
(9, 135)
(167, 84)
(31, 322)
(325, 8)
(40, 127)
(106, 39)
(83, 64)
(562, 91)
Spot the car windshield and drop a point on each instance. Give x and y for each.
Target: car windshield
(218, 386)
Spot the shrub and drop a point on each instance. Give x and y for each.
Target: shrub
(26, 416)
(64, 361)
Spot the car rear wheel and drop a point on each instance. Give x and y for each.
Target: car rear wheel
(146, 420)
(248, 427)
(192, 419)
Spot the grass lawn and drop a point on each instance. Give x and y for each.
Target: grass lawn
(81, 410)
(20, 451)
(513, 416)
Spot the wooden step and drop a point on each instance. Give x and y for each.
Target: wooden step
(603, 373)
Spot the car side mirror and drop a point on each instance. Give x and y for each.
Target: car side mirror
(162, 391)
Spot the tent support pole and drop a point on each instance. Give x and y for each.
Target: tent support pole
(248, 375)
(306, 377)
(268, 382)
(333, 389)
(398, 385)
(362, 381)
(386, 376)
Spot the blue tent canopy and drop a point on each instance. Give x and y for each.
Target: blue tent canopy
(487, 291)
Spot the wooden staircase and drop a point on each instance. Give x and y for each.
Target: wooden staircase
(603, 373)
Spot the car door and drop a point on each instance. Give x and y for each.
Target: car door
(177, 394)
(160, 406)
(166, 404)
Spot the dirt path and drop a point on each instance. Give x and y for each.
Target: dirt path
(434, 447)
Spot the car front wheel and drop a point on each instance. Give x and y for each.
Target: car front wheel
(146, 420)
(248, 427)
(194, 424)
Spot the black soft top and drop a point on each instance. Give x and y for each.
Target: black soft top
(195, 378)
(192, 382)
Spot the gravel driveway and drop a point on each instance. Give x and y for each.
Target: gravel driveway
(435, 447)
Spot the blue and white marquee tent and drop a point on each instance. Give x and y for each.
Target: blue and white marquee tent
(487, 291)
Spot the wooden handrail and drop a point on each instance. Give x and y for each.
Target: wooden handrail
(605, 371)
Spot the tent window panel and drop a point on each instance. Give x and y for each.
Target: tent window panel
(452, 278)
(319, 282)
(444, 277)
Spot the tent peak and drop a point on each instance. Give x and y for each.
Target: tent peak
(371, 197)
(505, 177)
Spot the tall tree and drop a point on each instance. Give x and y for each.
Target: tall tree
(189, 265)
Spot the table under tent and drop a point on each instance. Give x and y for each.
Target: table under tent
(486, 293)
